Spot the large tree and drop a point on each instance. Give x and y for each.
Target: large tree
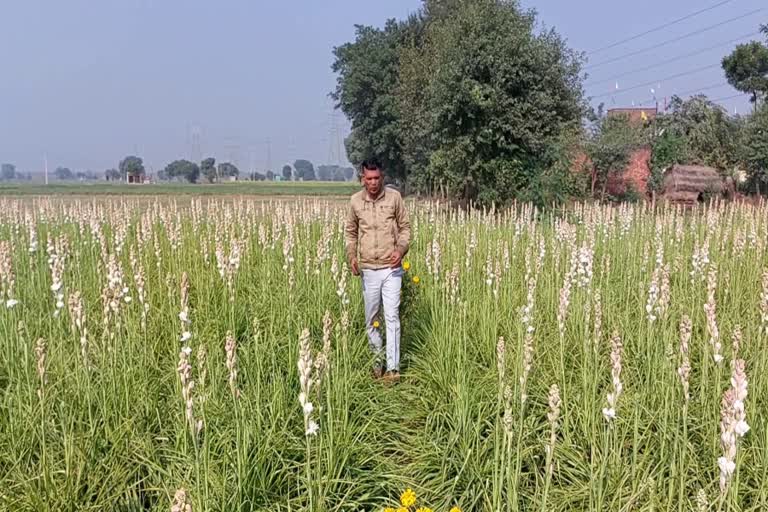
(131, 165)
(747, 69)
(304, 170)
(463, 97)
(112, 174)
(287, 172)
(326, 172)
(8, 172)
(667, 149)
(755, 149)
(227, 169)
(64, 173)
(366, 91)
(208, 169)
(710, 135)
(338, 174)
(183, 169)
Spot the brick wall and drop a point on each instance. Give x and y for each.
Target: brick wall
(637, 173)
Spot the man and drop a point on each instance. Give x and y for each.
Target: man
(378, 228)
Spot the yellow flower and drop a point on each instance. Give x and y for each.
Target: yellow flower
(416, 280)
(376, 325)
(402, 509)
(407, 266)
(408, 498)
(389, 509)
(455, 509)
(423, 509)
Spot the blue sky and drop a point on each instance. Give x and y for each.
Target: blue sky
(86, 82)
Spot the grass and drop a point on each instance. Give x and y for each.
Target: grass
(260, 188)
(105, 428)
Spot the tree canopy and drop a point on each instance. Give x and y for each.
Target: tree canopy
(755, 149)
(338, 174)
(112, 174)
(326, 172)
(131, 165)
(64, 173)
(747, 69)
(304, 170)
(463, 97)
(183, 169)
(709, 135)
(208, 169)
(7, 172)
(227, 169)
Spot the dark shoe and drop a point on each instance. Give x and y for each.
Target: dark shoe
(392, 377)
(377, 372)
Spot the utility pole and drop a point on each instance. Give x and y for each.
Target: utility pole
(45, 157)
(291, 155)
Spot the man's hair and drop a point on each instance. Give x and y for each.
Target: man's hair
(370, 165)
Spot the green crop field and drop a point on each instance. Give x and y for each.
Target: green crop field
(261, 188)
(214, 352)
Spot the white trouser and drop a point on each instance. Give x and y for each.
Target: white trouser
(383, 286)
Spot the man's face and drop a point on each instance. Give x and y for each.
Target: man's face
(372, 181)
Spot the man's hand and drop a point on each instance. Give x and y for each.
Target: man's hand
(354, 266)
(395, 259)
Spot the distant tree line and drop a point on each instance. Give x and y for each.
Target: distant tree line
(207, 171)
(302, 170)
(8, 172)
(184, 170)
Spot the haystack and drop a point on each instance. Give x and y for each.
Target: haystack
(689, 184)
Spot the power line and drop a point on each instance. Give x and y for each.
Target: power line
(674, 40)
(660, 27)
(717, 100)
(675, 59)
(690, 91)
(638, 86)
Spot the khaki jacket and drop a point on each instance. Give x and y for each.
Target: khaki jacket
(377, 227)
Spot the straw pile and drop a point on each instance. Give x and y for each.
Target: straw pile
(688, 184)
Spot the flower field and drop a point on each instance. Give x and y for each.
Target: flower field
(210, 354)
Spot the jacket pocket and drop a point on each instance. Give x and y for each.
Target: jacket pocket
(363, 241)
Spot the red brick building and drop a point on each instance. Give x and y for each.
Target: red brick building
(634, 177)
(636, 114)
(637, 172)
(639, 168)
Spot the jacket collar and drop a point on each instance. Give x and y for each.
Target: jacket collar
(381, 195)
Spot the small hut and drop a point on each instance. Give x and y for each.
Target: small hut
(134, 177)
(691, 184)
